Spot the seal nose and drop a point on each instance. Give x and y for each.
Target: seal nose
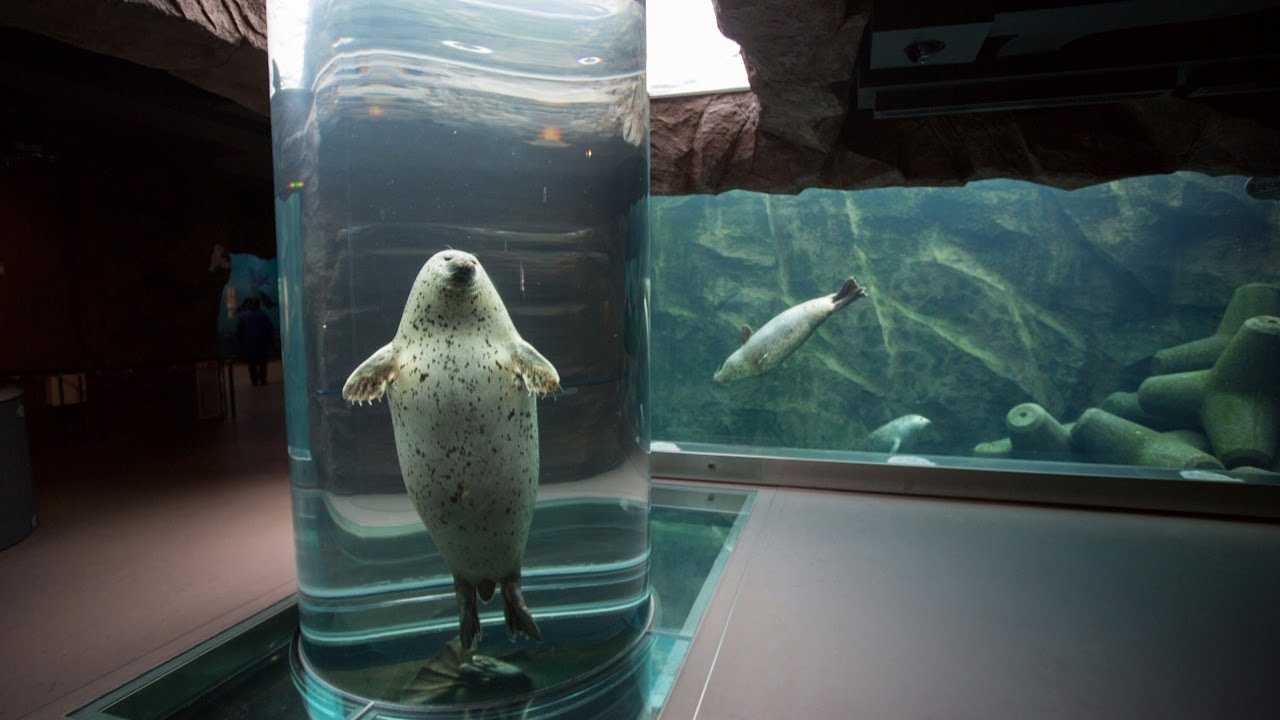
(462, 270)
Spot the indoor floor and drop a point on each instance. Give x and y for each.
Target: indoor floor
(832, 605)
(143, 551)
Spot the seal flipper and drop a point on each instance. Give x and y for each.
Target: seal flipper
(746, 333)
(519, 620)
(897, 443)
(469, 630)
(848, 292)
(369, 381)
(538, 373)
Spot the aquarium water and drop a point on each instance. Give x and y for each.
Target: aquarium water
(515, 130)
(1006, 325)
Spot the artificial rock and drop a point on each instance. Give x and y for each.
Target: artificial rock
(1237, 401)
(796, 129)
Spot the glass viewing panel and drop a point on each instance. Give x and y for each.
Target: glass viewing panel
(1017, 326)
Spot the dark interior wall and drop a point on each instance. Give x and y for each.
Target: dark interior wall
(106, 260)
(116, 181)
(106, 272)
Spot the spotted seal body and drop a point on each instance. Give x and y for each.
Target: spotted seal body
(895, 434)
(766, 348)
(461, 384)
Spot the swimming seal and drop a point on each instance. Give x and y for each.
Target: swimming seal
(763, 350)
(461, 382)
(895, 434)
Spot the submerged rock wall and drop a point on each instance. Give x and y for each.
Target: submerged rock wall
(981, 298)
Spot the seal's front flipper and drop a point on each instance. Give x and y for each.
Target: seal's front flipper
(469, 630)
(519, 621)
(537, 372)
(369, 381)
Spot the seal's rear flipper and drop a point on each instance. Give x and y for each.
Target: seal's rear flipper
(517, 613)
(848, 292)
(369, 381)
(469, 630)
(538, 373)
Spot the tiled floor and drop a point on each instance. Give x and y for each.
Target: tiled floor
(141, 552)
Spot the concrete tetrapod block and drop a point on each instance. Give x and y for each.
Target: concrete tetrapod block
(1247, 301)
(1035, 435)
(1107, 438)
(1125, 404)
(1237, 401)
(1001, 448)
(1194, 438)
(1255, 475)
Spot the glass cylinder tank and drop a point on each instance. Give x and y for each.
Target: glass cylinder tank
(517, 131)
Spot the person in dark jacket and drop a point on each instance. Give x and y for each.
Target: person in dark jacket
(257, 336)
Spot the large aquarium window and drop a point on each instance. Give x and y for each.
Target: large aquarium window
(1124, 329)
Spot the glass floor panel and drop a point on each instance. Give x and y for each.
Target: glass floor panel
(245, 671)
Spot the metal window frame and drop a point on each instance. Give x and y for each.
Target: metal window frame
(1109, 487)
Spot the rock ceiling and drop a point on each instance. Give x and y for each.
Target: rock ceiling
(798, 126)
